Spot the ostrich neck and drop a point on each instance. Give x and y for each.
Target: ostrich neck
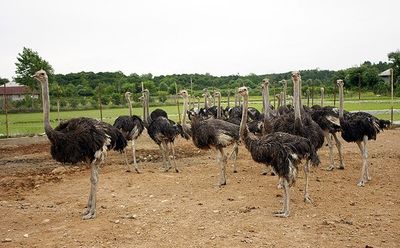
(243, 121)
(296, 103)
(130, 106)
(185, 103)
(266, 100)
(322, 98)
(46, 107)
(341, 99)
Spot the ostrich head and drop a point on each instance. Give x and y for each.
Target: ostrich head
(322, 89)
(41, 76)
(340, 82)
(183, 93)
(217, 94)
(243, 91)
(296, 76)
(128, 95)
(265, 82)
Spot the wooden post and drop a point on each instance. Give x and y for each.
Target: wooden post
(391, 94)
(308, 97)
(58, 110)
(6, 108)
(334, 95)
(229, 98)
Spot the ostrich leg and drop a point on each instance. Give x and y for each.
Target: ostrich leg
(90, 211)
(362, 180)
(222, 162)
(286, 199)
(328, 139)
(164, 157)
(367, 175)
(307, 198)
(134, 156)
(339, 147)
(233, 155)
(173, 157)
(126, 161)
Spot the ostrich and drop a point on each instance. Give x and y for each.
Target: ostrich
(328, 120)
(217, 133)
(359, 127)
(131, 127)
(282, 151)
(80, 140)
(298, 123)
(162, 131)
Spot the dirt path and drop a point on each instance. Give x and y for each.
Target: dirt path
(40, 207)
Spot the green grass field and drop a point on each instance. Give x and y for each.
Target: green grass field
(21, 124)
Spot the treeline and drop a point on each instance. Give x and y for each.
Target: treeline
(112, 85)
(89, 90)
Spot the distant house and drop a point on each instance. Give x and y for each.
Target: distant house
(386, 75)
(16, 92)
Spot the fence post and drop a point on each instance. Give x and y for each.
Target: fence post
(6, 108)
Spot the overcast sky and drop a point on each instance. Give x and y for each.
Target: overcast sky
(221, 37)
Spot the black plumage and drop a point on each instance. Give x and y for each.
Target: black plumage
(215, 133)
(131, 128)
(355, 125)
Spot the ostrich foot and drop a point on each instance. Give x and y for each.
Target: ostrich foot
(361, 183)
(307, 199)
(279, 185)
(235, 171)
(369, 178)
(222, 183)
(341, 167)
(137, 171)
(281, 214)
(176, 170)
(91, 214)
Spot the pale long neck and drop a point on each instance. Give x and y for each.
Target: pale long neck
(296, 98)
(219, 107)
(341, 101)
(46, 106)
(266, 100)
(130, 106)
(185, 104)
(206, 100)
(322, 98)
(243, 121)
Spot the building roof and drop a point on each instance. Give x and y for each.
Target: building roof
(14, 89)
(386, 73)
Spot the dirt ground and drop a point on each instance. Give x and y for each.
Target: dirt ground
(41, 201)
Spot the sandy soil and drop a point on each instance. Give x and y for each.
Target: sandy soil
(41, 201)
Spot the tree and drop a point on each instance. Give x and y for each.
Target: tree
(28, 63)
(394, 57)
(3, 81)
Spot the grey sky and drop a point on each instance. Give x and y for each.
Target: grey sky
(220, 37)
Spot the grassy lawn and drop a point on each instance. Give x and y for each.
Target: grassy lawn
(31, 123)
